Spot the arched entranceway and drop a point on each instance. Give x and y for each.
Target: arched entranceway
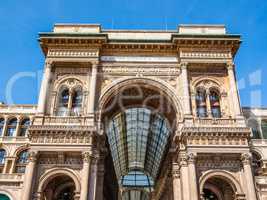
(61, 187)
(139, 118)
(4, 197)
(217, 188)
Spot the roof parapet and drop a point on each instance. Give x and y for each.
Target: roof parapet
(77, 28)
(202, 29)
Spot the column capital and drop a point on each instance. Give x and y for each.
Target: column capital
(32, 156)
(191, 158)
(48, 64)
(183, 65)
(90, 156)
(94, 63)
(246, 158)
(230, 66)
(86, 156)
(175, 170)
(183, 159)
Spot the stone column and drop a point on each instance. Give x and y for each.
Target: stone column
(192, 176)
(44, 88)
(5, 126)
(185, 82)
(208, 105)
(177, 192)
(233, 90)
(13, 165)
(17, 127)
(184, 177)
(29, 175)
(85, 175)
(93, 177)
(93, 80)
(7, 170)
(246, 160)
(100, 179)
(69, 112)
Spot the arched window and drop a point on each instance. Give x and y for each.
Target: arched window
(2, 159)
(24, 127)
(215, 104)
(4, 197)
(76, 102)
(63, 103)
(70, 102)
(201, 103)
(11, 127)
(21, 162)
(2, 123)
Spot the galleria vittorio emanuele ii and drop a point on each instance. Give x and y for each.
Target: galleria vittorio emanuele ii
(135, 115)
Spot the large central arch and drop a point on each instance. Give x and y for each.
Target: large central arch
(115, 87)
(139, 116)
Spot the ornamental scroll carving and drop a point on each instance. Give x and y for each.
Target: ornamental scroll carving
(216, 161)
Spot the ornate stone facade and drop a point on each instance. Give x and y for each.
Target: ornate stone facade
(134, 115)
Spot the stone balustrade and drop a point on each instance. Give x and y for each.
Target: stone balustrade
(214, 122)
(7, 139)
(59, 120)
(11, 177)
(215, 136)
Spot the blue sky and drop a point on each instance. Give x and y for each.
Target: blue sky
(21, 59)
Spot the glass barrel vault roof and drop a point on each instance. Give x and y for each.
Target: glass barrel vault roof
(137, 139)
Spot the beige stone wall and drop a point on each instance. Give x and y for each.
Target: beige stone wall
(202, 151)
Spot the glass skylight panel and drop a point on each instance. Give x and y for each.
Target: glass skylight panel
(137, 139)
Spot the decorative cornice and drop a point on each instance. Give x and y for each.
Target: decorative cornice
(72, 53)
(205, 55)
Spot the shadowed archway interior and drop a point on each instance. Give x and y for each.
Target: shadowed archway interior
(61, 187)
